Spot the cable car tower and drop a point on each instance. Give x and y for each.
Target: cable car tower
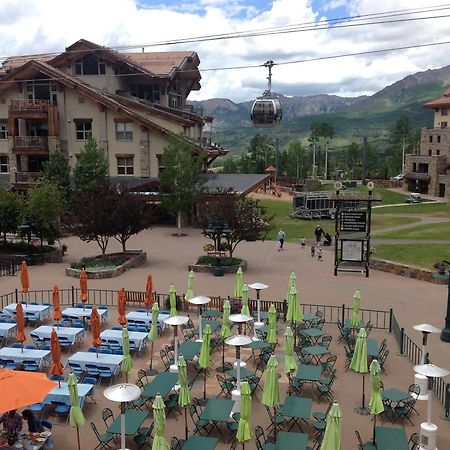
(266, 110)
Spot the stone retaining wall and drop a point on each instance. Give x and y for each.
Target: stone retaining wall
(227, 269)
(404, 270)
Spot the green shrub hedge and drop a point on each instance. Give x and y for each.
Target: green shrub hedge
(213, 261)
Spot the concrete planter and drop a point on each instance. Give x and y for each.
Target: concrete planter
(139, 259)
(404, 270)
(226, 269)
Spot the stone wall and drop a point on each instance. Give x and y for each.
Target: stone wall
(227, 269)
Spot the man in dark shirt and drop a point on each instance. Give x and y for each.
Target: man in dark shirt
(12, 422)
(34, 425)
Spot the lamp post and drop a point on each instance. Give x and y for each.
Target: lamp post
(217, 230)
(428, 430)
(442, 275)
(175, 321)
(200, 300)
(25, 228)
(258, 324)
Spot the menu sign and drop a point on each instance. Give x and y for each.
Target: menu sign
(352, 221)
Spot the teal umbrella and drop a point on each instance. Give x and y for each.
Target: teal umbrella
(184, 397)
(205, 354)
(271, 391)
(127, 363)
(292, 284)
(290, 366)
(76, 417)
(359, 364)
(245, 309)
(376, 401)
(333, 432)
(190, 290)
(225, 331)
(244, 431)
(159, 418)
(239, 283)
(153, 335)
(271, 337)
(355, 309)
(172, 301)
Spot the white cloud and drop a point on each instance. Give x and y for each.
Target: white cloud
(36, 26)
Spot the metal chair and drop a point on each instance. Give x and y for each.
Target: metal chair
(108, 417)
(225, 386)
(200, 424)
(276, 420)
(103, 439)
(175, 443)
(413, 442)
(144, 437)
(361, 445)
(30, 365)
(105, 373)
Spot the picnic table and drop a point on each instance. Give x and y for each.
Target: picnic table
(61, 394)
(72, 334)
(133, 421)
(296, 409)
(6, 329)
(162, 384)
(19, 355)
(83, 313)
(316, 352)
(391, 438)
(217, 410)
(189, 349)
(200, 443)
(36, 312)
(288, 440)
(113, 362)
(146, 319)
(138, 338)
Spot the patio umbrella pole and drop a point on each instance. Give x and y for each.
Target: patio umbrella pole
(204, 385)
(78, 436)
(374, 426)
(122, 426)
(186, 431)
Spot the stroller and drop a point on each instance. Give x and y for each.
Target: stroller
(328, 240)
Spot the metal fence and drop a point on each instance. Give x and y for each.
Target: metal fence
(9, 266)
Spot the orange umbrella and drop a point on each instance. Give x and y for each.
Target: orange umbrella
(20, 388)
(56, 309)
(95, 327)
(56, 367)
(24, 277)
(20, 324)
(83, 286)
(149, 292)
(121, 301)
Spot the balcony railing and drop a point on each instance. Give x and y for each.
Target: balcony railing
(29, 106)
(27, 177)
(30, 144)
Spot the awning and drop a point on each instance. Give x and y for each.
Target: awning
(419, 176)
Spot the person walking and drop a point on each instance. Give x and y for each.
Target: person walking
(319, 254)
(318, 233)
(313, 251)
(281, 238)
(302, 242)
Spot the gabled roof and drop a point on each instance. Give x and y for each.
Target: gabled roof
(240, 184)
(439, 102)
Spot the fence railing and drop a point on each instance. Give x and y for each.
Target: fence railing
(9, 266)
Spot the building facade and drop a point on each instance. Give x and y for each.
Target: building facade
(429, 171)
(131, 103)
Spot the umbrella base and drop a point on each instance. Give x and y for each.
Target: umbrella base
(362, 411)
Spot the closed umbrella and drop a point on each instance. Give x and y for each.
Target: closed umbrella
(376, 402)
(225, 331)
(83, 287)
(56, 305)
(153, 334)
(24, 278)
(355, 309)
(95, 328)
(271, 391)
(239, 283)
(20, 336)
(244, 431)
(332, 436)
(159, 417)
(205, 354)
(190, 289)
(127, 363)
(290, 366)
(292, 284)
(56, 368)
(245, 310)
(271, 337)
(149, 298)
(172, 301)
(76, 417)
(121, 305)
(184, 397)
(359, 364)
(294, 312)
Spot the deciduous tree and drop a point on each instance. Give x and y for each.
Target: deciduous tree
(11, 207)
(57, 171)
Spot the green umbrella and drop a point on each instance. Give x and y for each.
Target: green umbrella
(225, 331)
(271, 337)
(153, 334)
(127, 363)
(333, 431)
(376, 402)
(184, 397)
(271, 391)
(239, 283)
(355, 309)
(205, 354)
(294, 312)
(190, 290)
(359, 363)
(159, 418)
(245, 309)
(76, 417)
(292, 284)
(244, 431)
(290, 366)
(172, 301)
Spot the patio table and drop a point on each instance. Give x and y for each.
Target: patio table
(38, 312)
(217, 410)
(264, 315)
(214, 324)
(312, 333)
(200, 443)
(83, 313)
(133, 421)
(61, 394)
(257, 345)
(372, 348)
(18, 356)
(287, 440)
(244, 373)
(391, 438)
(7, 329)
(348, 324)
(137, 337)
(72, 334)
(162, 384)
(147, 318)
(316, 352)
(189, 349)
(394, 397)
(297, 409)
(211, 314)
(308, 372)
(113, 362)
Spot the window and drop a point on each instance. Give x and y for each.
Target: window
(148, 92)
(444, 111)
(90, 65)
(161, 166)
(430, 152)
(125, 165)
(443, 124)
(438, 152)
(124, 131)
(3, 129)
(431, 139)
(4, 164)
(83, 129)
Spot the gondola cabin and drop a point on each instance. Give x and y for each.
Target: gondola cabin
(266, 112)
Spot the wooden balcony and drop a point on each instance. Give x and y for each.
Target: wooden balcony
(26, 178)
(31, 145)
(29, 106)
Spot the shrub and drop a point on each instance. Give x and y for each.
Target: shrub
(236, 305)
(21, 247)
(98, 262)
(213, 261)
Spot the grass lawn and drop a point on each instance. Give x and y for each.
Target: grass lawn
(419, 255)
(435, 231)
(384, 221)
(429, 209)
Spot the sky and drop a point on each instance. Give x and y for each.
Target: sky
(39, 26)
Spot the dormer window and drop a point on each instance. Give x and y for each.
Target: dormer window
(90, 65)
(444, 111)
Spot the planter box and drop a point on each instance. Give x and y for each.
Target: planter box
(139, 259)
(404, 270)
(210, 269)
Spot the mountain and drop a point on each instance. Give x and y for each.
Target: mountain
(233, 129)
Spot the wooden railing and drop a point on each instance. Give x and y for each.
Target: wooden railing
(28, 143)
(29, 106)
(27, 177)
